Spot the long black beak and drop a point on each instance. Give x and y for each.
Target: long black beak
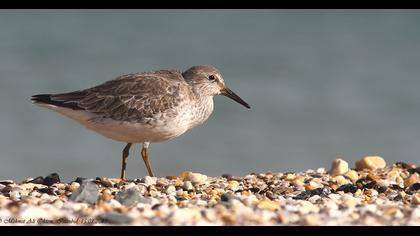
(228, 93)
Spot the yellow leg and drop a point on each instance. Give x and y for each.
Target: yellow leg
(145, 157)
(124, 159)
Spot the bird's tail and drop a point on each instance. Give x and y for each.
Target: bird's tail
(42, 99)
(51, 99)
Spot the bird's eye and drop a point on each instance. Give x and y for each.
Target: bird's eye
(212, 77)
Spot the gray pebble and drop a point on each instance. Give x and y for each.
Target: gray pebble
(130, 197)
(145, 200)
(87, 192)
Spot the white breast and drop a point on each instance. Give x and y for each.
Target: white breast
(199, 112)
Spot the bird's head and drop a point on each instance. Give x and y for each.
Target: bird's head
(208, 81)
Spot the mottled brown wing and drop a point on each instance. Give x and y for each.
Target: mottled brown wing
(130, 97)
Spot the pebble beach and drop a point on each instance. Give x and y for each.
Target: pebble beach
(371, 192)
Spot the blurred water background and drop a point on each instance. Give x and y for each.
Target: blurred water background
(322, 84)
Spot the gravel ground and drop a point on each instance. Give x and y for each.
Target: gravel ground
(370, 194)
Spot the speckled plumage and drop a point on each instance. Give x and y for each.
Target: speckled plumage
(144, 107)
(135, 97)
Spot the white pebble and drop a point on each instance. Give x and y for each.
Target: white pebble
(170, 189)
(339, 167)
(149, 180)
(15, 195)
(321, 170)
(187, 185)
(197, 178)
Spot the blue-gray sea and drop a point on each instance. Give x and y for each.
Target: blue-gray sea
(322, 84)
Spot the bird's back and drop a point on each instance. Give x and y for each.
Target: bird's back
(132, 97)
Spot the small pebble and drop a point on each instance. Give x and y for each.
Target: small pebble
(170, 189)
(51, 179)
(129, 197)
(227, 197)
(185, 174)
(299, 181)
(105, 182)
(371, 192)
(233, 185)
(197, 178)
(321, 170)
(73, 186)
(48, 191)
(80, 180)
(347, 188)
(340, 180)
(352, 175)
(106, 195)
(415, 187)
(370, 163)
(37, 180)
(87, 192)
(149, 180)
(268, 204)
(307, 194)
(339, 167)
(162, 182)
(373, 177)
(365, 183)
(412, 179)
(312, 185)
(290, 176)
(14, 195)
(314, 198)
(187, 185)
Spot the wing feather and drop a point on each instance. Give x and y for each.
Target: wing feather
(130, 97)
